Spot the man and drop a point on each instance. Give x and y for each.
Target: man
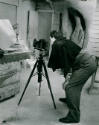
(64, 55)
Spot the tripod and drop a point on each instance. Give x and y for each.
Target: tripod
(40, 64)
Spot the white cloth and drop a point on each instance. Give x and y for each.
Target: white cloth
(7, 34)
(78, 34)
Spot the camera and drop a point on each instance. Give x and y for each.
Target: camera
(40, 45)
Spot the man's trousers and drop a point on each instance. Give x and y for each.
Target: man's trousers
(84, 66)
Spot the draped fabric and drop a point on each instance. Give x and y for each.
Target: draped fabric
(63, 55)
(78, 34)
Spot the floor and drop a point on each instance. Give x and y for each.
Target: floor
(39, 110)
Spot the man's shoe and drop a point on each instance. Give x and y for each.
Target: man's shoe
(68, 119)
(64, 100)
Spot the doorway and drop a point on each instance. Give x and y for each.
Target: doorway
(44, 25)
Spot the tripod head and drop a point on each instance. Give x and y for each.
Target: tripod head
(42, 52)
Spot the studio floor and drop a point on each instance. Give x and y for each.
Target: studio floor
(39, 110)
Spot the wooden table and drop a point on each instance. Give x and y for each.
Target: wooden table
(15, 56)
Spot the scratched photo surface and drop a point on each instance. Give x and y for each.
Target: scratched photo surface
(30, 90)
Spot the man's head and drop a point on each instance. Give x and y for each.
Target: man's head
(54, 35)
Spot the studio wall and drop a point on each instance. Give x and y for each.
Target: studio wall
(87, 8)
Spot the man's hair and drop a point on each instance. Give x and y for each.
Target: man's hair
(56, 34)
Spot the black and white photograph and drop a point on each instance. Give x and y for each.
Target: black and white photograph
(49, 62)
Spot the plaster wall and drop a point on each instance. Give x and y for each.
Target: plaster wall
(87, 8)
(12, 2)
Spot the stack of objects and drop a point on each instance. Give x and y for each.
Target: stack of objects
(9, 80)
(10, 69)
(10, 62)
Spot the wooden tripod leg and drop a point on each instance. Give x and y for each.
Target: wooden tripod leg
(31, 74)
(49, 86)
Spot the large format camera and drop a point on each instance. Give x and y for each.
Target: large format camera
(40, 45)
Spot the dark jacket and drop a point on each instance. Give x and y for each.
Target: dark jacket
(63, 55)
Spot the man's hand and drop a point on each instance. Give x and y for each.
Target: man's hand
(67, 79)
